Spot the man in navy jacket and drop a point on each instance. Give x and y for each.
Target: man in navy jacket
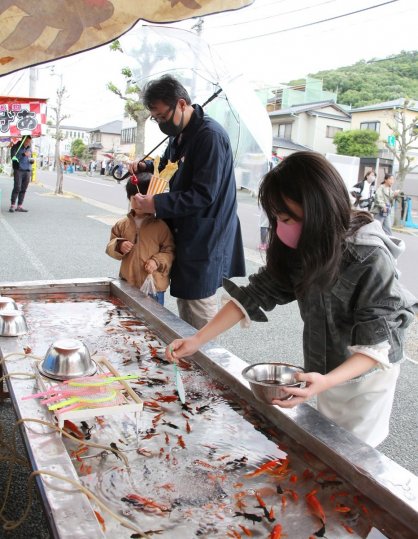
(201, 206)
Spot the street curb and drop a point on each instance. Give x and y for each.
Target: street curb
(405, 230)
(90, 201)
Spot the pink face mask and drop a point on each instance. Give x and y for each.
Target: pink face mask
(289, 234)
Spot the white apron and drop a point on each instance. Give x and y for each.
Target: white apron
(362, 407)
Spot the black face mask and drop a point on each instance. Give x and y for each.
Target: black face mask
(170, 128)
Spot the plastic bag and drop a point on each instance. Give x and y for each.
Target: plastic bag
(148, 286)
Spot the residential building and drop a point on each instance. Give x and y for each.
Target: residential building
(105, 139)
(46, 150)
(378, 117)
(309, 126)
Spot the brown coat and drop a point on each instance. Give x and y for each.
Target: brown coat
(152, 240)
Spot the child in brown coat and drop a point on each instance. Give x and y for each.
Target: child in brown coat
(143, 243)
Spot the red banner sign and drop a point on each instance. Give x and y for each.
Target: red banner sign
(22, 116)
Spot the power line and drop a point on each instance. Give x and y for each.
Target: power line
(272, 16)
(307, 24)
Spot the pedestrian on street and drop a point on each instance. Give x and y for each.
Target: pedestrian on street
(339, 265)
(143, 244)
(21, 154)
(201, 206)
(364, 191)
(383, 203)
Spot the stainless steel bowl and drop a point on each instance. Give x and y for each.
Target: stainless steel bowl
(267, 380)
(12, 323)
(66, 359)
(7, 304)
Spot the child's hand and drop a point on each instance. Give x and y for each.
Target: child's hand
(126, 247)
(180, 348)
(151, 265)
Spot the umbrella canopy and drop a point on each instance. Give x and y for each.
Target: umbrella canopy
(38, 31)
(202, 71)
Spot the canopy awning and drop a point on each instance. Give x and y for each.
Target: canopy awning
(38, 31)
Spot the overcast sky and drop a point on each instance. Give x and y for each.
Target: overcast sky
(272, 41)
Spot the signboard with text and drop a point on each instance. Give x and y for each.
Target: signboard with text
(22, 116)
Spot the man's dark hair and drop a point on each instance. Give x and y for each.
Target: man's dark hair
(166, 89)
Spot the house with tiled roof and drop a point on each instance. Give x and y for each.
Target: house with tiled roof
(105, 139)
(378, 117)
(308, 126)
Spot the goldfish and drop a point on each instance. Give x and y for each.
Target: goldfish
(316, 509)
(276, 532)
(249, 516)
(70, 426)
(268, 466)
(180, 441)
(101, 520)
(246, 530)
(144, 503)
(342, 509)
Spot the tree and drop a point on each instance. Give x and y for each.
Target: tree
(358, 142)
(59, 117)
(78, 148)
(405, 132)
(373, 81)
(149, 55)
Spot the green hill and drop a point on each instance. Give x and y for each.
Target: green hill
(372, 81)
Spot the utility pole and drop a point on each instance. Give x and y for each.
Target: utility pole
(33, 79)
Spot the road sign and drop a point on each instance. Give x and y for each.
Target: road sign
(391, 140)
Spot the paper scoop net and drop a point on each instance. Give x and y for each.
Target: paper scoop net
(160, 180)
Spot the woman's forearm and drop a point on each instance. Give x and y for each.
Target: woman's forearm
(354, 366)
(225, 319)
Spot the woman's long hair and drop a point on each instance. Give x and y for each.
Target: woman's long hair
(310, 180)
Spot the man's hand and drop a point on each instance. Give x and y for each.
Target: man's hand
(144, 203)
(126, 247)
(151, 266)
(137, 166)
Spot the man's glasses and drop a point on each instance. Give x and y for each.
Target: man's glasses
(162, 118)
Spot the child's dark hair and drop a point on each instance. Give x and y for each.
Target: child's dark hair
(140, 187)
(310, 180)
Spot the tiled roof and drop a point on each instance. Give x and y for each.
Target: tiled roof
(305, 107)
(288, 144)
(394, 104)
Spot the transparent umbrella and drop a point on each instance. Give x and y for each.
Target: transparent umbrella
(203, 72)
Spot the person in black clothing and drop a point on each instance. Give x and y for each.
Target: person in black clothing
(201, 207)
(22, 170)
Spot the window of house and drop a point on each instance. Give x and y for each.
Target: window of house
(332, 131)
(128, 136)
(373, 126)
(284, 131)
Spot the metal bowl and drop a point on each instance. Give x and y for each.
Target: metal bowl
(267, 380)
(66, 359)
(12, 323)
(7, 304)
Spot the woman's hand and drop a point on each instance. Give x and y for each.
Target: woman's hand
(126, 247)
(181, 348)
(151, 266)
(315, 383)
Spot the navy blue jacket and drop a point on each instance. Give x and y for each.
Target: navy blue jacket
(201, 209)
